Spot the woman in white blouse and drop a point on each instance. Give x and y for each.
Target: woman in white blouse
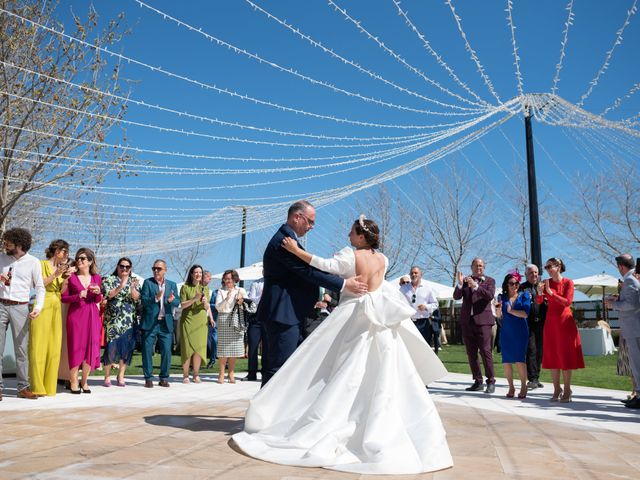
(230, 340)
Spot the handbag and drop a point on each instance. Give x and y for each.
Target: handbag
(237, 319)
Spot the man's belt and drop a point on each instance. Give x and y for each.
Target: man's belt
(5, 301)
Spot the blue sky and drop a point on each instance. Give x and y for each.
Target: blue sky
(196, 212)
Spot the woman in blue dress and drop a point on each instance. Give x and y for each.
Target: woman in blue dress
(514, 335)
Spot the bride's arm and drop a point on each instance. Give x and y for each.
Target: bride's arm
(290, 245)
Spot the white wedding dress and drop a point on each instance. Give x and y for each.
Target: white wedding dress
(352, 397)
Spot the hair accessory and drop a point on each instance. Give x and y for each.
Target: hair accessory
(361, 220)
(516, 274)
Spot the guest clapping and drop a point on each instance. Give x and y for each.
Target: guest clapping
(122, 292)
(514, 335)
(230, 339)
(194, 298)
(83, 295)
(562, 348)
(45, 337)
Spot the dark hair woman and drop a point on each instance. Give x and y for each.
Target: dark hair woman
(514, 334)
(230, 340)
(45, 335)
(194, 299)
(83, 295)
(121, 290)
(562, 347)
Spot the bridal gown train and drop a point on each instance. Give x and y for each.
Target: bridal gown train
(352, 397)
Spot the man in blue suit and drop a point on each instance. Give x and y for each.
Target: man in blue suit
(291, 289)
(159, 297)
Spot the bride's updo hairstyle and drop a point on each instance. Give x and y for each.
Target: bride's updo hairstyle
(369, 229)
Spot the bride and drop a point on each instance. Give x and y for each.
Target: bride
(352, 397)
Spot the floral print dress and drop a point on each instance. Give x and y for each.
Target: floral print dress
(119, 321)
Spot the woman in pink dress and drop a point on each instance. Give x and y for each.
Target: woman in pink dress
(83, 295)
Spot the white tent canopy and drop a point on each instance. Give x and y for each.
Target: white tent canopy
(442, 292)
(250, 273)
(597, 285)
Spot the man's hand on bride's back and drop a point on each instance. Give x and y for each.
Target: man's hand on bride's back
(356, 285)
(289, 244)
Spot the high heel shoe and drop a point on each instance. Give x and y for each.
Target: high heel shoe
(523, 393)
(232, 378)
(566, 398)
(511, 393)
(556, 396)
(75, 392)
(86, 390)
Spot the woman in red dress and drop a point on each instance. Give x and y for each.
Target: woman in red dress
(562, 348)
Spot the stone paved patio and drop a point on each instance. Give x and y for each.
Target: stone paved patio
(184, 433)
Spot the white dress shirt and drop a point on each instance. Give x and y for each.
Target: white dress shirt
(26, 274)
(423, 296)
(161, 312)
(255, 291)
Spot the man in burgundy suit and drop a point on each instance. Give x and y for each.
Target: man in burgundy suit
(476, 321)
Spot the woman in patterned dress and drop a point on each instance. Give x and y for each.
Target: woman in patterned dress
(122, 293)
(230, 341)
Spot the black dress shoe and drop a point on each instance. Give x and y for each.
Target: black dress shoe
(163, 383)
(491, 387)
(475, 387)
(633, 403)
(249, 379)
(148, 384)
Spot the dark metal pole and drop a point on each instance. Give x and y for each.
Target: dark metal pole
(243, 240)
(534, 219)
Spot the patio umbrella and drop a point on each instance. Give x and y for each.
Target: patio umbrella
(442, 292)
(252, 272)
(599, 285)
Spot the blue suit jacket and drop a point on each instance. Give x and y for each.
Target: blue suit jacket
(151, 308)
(290, 285)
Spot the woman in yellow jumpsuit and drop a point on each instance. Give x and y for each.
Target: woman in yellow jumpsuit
(46, 330)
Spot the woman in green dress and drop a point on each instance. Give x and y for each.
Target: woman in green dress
(194, 300)
(121, 291)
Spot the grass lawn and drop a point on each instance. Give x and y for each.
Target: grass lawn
(599, 372)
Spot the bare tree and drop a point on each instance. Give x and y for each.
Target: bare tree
(181, 260)
(458, 222)
(605, 217)
(49, 128)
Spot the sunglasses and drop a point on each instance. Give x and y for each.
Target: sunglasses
(413, 298)
(82, 258)
(548, 267)
(124, 267)
(512, 283)
(156, 269)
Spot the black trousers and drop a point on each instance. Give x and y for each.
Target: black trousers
(534, 350)
(254, 337)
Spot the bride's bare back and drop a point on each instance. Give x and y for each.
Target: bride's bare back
(370, 267)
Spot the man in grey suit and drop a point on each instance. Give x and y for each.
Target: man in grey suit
(628, 306)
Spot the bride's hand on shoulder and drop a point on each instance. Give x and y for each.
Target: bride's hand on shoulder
(290, 244)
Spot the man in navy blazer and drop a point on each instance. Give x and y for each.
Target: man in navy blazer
(159, 297)
(476, 322)
(291, 289)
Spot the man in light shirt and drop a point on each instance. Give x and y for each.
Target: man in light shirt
(19, 273)
(254, 332)
(421, 297)
(159, 297)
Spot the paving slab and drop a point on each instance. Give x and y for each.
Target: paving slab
(184, 431)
